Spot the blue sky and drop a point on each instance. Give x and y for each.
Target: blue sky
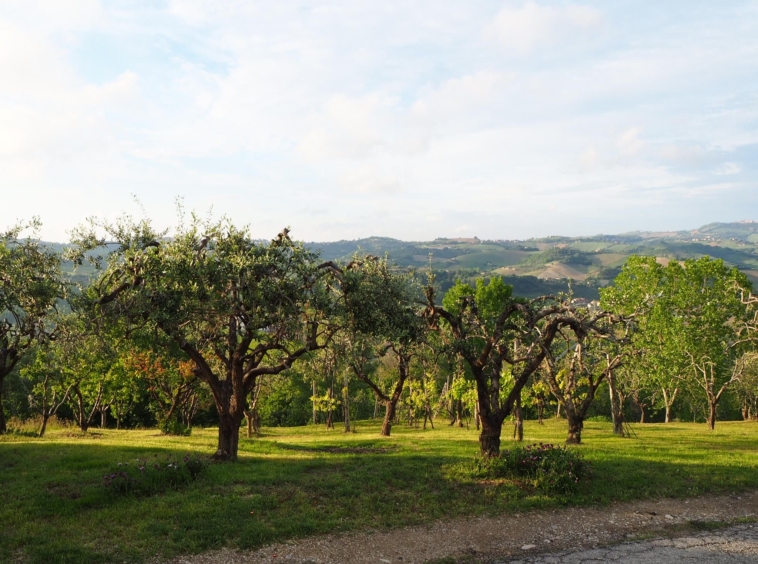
(405, 119)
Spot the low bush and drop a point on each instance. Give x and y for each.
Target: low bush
(153, 476)
(174, 427)
(546, 467)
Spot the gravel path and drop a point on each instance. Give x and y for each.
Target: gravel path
(563, 533)
(733, 545)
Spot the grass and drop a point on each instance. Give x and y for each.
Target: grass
(301, 481)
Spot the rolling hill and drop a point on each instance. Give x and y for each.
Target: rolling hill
(549, 264)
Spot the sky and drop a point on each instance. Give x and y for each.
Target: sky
(414, 120)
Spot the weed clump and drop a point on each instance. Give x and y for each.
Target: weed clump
(546, 467)
(148, 477)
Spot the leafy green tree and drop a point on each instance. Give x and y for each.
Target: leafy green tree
(85, 360)
(45, 378)
(715, 326)
(170, 383)
(238, 308)
(30, 287)
(576, 369)
(489, 328)
(747, 386)
(643, 291)
(383, 319)
(695, 323)
(285, 401)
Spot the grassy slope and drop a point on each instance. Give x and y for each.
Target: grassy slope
(297, 481)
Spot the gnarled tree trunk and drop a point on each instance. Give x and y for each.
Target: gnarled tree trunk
(489, 438)
(575, 426)
(389, 417)
(230, 402)
(391, 402)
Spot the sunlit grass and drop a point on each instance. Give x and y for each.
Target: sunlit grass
(300, 481)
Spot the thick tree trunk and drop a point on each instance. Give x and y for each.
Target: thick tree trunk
(575, 426)
(389, 417)
(489, 438)
(231, 404)
(642, 413)
(391, 403)
(103, 418)
(558, 411)
(459, 413)
(518, 424)
(228, 436)
(43, 426)
(618, 424)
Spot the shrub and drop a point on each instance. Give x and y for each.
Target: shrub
(174, 427)
(153, 476)
(546, 467)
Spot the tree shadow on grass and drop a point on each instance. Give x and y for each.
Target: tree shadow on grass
(54, 507)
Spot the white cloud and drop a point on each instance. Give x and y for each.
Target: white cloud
(55, 15)
(629, 143)
(590, 158)
(531, 26)
(369, 180)
(369, 112)
(728, 169)
(351, 128)
(688, 154)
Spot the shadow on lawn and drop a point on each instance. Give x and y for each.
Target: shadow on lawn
(54, 508)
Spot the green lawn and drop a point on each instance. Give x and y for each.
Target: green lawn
(302, 481)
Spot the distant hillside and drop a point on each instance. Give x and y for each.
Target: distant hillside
(545, 265)
(550, 263)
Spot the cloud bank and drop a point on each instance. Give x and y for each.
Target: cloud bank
(349, 119)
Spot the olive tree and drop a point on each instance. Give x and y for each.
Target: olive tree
(575, 369)
(30, 287)
(489, 328)
(238, 308)
(384, 319)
